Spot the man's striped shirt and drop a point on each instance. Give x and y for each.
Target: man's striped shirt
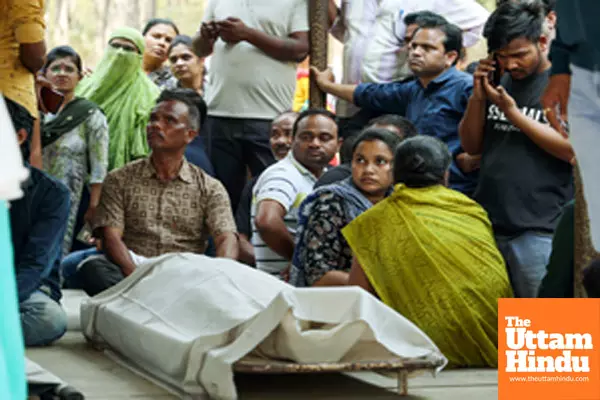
(288, 183)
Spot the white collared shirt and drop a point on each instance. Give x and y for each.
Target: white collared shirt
(373, 35)
(288, 182)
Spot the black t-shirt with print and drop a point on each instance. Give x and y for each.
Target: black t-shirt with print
(521, 186)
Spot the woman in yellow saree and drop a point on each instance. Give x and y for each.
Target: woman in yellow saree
(428, 252)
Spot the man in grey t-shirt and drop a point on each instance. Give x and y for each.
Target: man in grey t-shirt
(255, 47)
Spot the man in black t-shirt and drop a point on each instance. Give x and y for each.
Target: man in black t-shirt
(526, 175)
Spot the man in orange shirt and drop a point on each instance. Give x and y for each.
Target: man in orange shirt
(22, 54)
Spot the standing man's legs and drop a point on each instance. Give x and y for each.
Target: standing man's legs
(223, 143)
(584, 120)
(255, 144)
(43, 320)
(526, 257)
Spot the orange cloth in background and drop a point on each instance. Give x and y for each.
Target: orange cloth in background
(303, 91)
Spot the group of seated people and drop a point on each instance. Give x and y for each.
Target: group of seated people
(163, 203)
(390, 219)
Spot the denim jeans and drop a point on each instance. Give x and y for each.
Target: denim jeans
(68, 267)
(584, 120)
(526, 258)
(43, 320)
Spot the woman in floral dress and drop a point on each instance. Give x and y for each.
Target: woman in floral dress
(322, 256)
(75, 140)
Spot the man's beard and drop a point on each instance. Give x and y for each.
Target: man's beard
(534, 71)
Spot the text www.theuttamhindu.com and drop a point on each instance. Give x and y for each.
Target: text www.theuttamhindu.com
(535, 379)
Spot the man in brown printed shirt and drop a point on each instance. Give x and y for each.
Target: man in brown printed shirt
(160, 204)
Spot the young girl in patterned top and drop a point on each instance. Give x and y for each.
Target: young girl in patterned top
(75, 140)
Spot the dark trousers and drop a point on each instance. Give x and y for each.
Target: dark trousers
(97, 275)
(195, 153)
(80, 222)
(233, 144)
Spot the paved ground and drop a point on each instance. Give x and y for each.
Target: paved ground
(99, 378)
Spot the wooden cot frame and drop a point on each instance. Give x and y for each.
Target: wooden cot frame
(402, 368)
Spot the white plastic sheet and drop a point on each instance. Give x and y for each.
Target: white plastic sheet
(12, 173)
(12, 169)
(185, 319)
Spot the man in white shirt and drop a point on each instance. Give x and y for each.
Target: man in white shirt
(283, 186)
(373, 35)
(255, 48)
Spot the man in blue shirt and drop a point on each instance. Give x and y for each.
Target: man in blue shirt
(38, 223)
(434, 100)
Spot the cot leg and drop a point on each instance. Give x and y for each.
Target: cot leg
(403, 382)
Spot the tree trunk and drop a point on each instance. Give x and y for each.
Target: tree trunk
(61, 22)
(105, 18)
(319, 24)
(102, 15)
(151, 9)
(133, 14)
(584, 250)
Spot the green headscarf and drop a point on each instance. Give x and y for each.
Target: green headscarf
(126, 95)
(130, 34)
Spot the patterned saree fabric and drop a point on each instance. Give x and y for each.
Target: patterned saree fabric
(126, 95)
(430, 254)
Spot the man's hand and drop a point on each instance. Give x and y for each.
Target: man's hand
(555, 100)
(285, 274)
(89, 215)
(209, 31)
(468, 163)
(204, 41)
(232, 30)
(41, 82)
(499, 97)
(323, 78)
(481, 74)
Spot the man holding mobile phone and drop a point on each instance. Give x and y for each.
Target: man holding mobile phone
(526, 175)
(22, 54)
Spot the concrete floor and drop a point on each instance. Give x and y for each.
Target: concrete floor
(99, 378)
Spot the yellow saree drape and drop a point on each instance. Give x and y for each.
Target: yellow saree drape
(430, 254)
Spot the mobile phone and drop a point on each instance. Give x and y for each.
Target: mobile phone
(51, 99)
(495, 76)
(85, 235)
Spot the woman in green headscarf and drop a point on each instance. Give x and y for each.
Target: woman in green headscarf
(126, 95)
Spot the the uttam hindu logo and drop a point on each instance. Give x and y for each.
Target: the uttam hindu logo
(524, 345)
(548, 349)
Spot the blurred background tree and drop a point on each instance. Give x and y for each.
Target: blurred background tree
(86, 24)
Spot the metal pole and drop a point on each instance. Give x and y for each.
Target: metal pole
(319, 24)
